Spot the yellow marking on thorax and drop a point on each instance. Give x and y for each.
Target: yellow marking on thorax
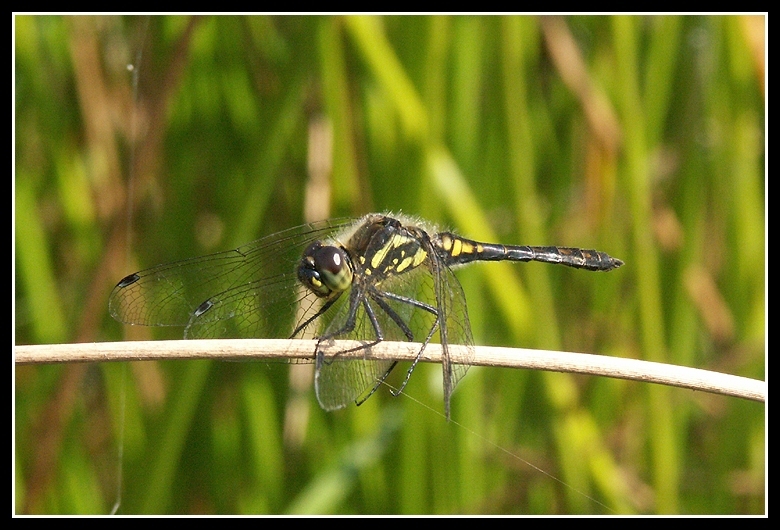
(414, 261)
(381, 254)
(405, 262)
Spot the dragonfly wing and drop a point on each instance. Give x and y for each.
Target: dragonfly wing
(167, 295)
(394, 310)
(268, 308)
(178, 294)
(343, 377)
(455, 332)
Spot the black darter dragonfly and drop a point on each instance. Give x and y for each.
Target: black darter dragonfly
(380, 277)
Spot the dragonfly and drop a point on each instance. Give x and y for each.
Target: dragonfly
(380, 277)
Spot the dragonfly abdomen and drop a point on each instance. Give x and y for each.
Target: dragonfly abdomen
(457, 250)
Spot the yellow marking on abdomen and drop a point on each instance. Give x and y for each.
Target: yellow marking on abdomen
(457, 247)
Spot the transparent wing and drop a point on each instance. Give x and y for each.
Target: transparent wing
(339, 380)
(249, 292)
(455, 329)
(404, 308)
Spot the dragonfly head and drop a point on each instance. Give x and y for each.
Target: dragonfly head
(325, 269)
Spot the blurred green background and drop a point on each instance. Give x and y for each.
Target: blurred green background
(639, 136)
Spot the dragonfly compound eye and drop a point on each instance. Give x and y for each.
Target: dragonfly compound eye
(325, 269)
